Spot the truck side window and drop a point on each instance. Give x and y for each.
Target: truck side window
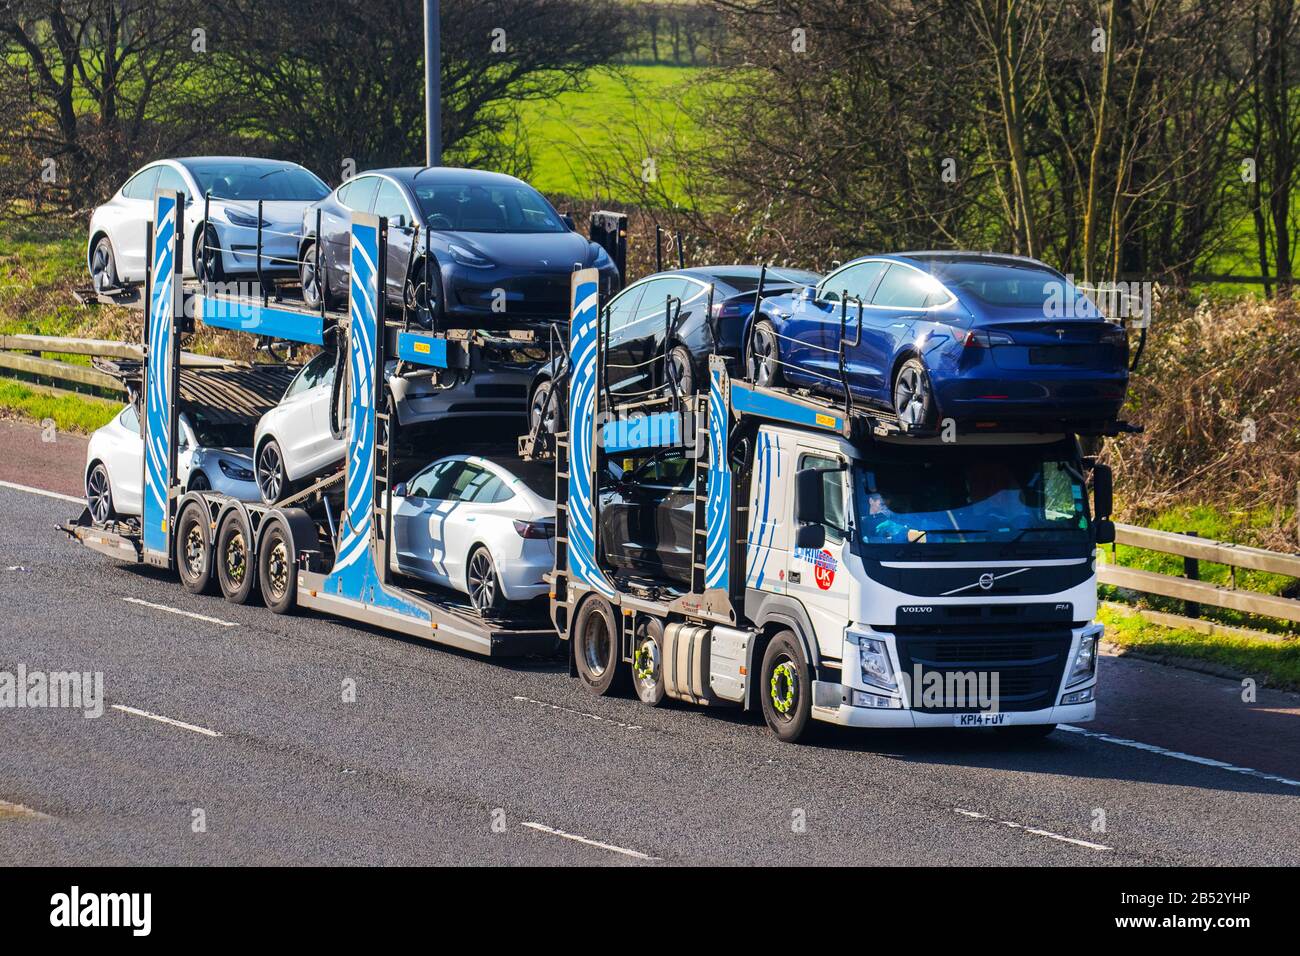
(833, 489)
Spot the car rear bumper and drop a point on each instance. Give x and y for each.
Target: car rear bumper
(1094, 399)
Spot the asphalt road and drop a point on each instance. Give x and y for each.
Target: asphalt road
(449, 758)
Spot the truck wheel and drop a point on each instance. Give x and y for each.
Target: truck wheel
(786, 688)
(278, 571)
(193, 551)
(596, 646)
(236, 572)
(648, 662)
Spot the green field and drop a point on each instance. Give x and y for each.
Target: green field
(581, 143)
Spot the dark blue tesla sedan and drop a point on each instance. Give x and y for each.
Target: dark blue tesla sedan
(987, 340)
(502, 254)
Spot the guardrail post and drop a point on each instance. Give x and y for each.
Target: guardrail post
(1192, 571)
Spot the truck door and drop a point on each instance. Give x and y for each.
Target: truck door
(816, 576)
(767, 543)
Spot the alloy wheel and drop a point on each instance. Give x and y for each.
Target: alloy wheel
(482, 582)
(270, 472)
(98, 496)
(763, 356)
(911, 396)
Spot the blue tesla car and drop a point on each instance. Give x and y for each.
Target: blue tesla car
(987, 340)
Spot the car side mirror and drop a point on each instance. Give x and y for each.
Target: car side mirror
(809, 293)
(1103, 491)
(399, 490)
(809, 497)
(1104, 531)
(568, 221)
(399, 221)
(812, 536)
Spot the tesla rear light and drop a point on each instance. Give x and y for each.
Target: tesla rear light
(535, 529)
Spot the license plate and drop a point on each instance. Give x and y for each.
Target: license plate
(979, 720)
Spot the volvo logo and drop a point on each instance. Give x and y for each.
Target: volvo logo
(985, 581)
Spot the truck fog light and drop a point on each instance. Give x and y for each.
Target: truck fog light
(1078, 696)
(862, 699)
(873, 658)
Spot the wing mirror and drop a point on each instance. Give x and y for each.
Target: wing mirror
(399, 490)
(568, 221)
(1103, 530)
(809, 497)
(810, 536)
(1103, 491)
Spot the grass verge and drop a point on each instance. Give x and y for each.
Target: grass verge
(1275, 664)
(71, 413)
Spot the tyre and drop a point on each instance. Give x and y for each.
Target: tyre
(199, 482)
(236, 572)
(194, 551)
(103, 266)
(1026, 732)
(482, 583)
(99, 494)
(421, 299)
(207, 257)
(786, 688)
(596, 646)
(543, 407)
(680, 371)
(277, 570)
(648, 662)
(763, 361)
(313, 279)
(913, 396)
(271, 478)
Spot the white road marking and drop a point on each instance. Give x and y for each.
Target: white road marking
(19, 810)
(1177, 755)
(165, 720)
(578, 713)
(172, 610)
(1034, 830)
(543, 828)
(41, 491)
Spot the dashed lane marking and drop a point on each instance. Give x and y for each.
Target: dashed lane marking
(172, 610)
(136, 712)
(1034, 830)
(635, 854)
(41, 491)
(1178, 755)
(578, 713)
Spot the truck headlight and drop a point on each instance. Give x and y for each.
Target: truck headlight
(873, 659)
(1085, 659)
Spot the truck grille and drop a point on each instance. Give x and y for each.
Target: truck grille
(1028, 667)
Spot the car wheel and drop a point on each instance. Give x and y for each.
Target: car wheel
(418, 298)
(103, 266)
(199, 482)
(277, 570)
(271, 480)
(207, 257)
(763, 363)
(543, 407)
(786, 688)
(193, 553)
(482, 583)
(313, 278)
(236, 572)
(596, 647)
(913, 397)
(648, 662)
(680, 372)
(99, 494)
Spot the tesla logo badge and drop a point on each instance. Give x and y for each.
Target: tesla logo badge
(986, 581)
(546, 262)
(1060, 333)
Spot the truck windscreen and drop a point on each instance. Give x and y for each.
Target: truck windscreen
(973, 494)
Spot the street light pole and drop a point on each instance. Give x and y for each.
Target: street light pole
(432, 85)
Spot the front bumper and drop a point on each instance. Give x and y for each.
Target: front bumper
(847, 715)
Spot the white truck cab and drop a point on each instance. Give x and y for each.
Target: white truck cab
(934, 584)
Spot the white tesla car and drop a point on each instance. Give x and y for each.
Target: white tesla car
(207, 456)
(116, 255)
(294, 441)
(482, 527)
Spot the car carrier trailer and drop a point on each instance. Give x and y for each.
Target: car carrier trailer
(805, 622)
(298, 552)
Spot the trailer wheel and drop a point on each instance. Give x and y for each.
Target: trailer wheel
(596, 646)
(648, 662)
(236, 572)
(277, 570)
(786, 688)
(194, 551)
